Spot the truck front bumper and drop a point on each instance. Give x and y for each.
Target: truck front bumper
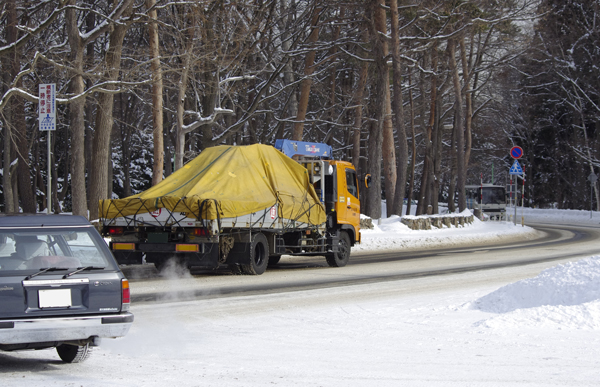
(57, 329)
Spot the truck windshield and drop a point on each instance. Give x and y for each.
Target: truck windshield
(493, 195)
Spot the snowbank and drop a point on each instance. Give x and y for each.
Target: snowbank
(556, 216)
(391, 234)
(565, 296)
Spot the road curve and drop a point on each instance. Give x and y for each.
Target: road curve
(556, 243)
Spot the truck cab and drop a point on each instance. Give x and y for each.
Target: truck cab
(335, 182)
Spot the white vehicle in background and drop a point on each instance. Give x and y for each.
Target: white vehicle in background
(488, 198)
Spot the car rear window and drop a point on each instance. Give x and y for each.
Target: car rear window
(40, 248)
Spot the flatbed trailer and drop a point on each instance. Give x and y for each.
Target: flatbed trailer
(199, 233)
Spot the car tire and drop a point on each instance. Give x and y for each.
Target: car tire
(342, 257)
(259, 255)
(73, 353)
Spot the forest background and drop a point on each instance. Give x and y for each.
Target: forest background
(426, 96)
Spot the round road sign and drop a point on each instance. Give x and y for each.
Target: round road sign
(516, 152)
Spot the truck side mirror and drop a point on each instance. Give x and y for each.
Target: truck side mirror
(367, 180)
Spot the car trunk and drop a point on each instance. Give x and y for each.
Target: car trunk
(50, 294)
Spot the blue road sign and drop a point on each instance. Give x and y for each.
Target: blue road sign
(516, 152)
(516, 169)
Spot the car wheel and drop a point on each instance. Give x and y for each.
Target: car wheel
(259, 255)
(342, 257)
(73, 353)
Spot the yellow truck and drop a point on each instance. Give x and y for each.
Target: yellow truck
(241, 206)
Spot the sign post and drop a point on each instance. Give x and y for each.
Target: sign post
(592, 178)
(516, 152)
(47, 121)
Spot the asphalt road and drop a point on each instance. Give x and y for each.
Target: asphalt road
(556, 243)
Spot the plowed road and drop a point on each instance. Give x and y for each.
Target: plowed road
(556, 243)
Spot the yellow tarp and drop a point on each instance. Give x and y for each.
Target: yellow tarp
(237, 180)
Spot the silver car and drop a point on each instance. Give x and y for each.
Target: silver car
(59, 286)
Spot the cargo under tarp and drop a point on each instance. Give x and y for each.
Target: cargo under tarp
(233, 181)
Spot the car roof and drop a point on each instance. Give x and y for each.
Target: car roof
(41, 220)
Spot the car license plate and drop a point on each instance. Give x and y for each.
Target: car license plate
(54, 298)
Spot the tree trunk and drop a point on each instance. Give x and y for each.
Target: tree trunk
(413, 160)
(461, 176)
(376, 130)
(468, 101)
(157, 95)
(25, 194)
(358, 112)
(398, 105)
(388, 151)
(306, 83)
(180, 133)
(424, 192)
(77, 117)
(7, 180)
(104, 122)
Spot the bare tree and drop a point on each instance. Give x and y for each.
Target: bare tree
(157, 94)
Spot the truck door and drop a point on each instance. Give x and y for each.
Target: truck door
(348, 205)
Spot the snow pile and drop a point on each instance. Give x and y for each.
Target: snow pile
(566, 296)
(556, 216)
(391, 234)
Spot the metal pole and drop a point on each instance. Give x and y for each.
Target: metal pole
(49, 198)
(523, 200)
(516, 198)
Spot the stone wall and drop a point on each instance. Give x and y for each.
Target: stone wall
(437, 221)
(426, 222)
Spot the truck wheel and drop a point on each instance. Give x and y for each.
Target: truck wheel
(259, 255)
(342, 257)
(73, 353)
(274, 260)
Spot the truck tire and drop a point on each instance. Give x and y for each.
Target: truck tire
(259, 255)
(342, 257)
(73, 353)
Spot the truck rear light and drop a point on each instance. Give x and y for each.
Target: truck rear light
(123, 246)
(187, 248)
(200, 232)
(113, 230)
(126, 295)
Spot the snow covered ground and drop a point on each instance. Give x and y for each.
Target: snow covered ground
(471, 329)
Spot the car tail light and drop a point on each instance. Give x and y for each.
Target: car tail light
(126, 295)
(200, 232)
(115, 230)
